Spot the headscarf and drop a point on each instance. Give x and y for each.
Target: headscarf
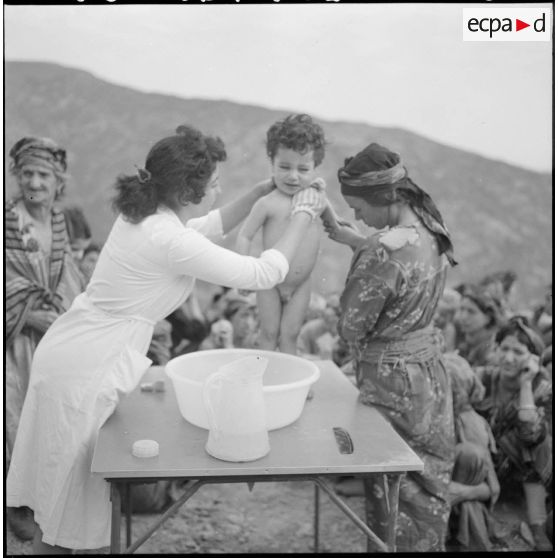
(518, 324)
(40, 151)
(377, 175)
(488, 304)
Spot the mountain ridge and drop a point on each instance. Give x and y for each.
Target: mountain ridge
(497, 212)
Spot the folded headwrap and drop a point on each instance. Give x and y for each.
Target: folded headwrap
(535, 343)
(38, 150)
(488, 304)
(377, 175)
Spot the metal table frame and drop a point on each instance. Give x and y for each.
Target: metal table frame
(310, 454)
(121, 491)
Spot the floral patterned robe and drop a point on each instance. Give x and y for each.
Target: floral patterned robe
(394, 283)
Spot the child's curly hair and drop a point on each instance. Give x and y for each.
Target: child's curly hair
(299, 133)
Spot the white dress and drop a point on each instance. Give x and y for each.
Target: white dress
(95, 353)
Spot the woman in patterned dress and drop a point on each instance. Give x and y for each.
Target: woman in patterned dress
(395, 280)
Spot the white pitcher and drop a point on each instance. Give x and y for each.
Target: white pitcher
(234, 400)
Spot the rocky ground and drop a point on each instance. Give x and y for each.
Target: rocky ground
(272, 518)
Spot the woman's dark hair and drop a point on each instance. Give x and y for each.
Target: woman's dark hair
(176, 172)
(518, 327)
(299, 133)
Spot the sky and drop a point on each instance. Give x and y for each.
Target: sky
(396, 65)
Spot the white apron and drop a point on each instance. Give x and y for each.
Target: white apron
(94, 354)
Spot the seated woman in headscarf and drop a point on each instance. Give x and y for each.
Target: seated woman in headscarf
(396, 277)
(478, 317)
(519, 411)
(474, 488)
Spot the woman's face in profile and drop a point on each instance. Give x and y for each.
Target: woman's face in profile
(376, 216)
(212, 191)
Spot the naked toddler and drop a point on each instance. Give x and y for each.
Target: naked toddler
(295, 146)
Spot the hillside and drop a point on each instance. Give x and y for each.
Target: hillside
(500, 215)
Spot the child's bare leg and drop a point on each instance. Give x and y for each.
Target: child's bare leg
(40, 547)
(269, 311)
(294, 312)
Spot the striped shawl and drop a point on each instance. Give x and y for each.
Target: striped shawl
(25, 290)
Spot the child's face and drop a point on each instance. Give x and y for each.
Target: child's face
(292, 171)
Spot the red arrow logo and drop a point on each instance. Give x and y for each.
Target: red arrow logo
(519, 25)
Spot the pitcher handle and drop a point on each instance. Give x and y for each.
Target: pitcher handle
(211, 382)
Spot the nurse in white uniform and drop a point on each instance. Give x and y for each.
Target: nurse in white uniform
(95, 352)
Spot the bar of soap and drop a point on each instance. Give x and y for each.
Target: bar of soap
(145, 448)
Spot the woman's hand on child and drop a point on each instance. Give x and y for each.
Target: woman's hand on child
(311, 200)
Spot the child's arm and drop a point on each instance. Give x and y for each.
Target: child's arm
(251, 226)
(340, 230)
(237, 210)
(329, 217)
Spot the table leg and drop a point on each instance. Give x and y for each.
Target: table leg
(374, 544)
(128, 500)
(316, 518)
(393, 481)
(116, 517)
(188, 493)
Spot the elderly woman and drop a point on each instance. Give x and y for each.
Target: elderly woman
(42, 279)
(519, 411)
(478, 317)
(96, 351)
(395, 280)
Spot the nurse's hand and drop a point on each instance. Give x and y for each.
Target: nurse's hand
(41, 320)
